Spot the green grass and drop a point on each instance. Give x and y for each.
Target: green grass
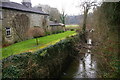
(30, 45)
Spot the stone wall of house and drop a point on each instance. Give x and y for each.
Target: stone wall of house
(36, 20)
(0, 28)
(0, 19)
(39, 21)
(15, 19)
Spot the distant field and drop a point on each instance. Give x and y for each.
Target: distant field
(30, 45)
(72, 27)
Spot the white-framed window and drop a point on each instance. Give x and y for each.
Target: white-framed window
(8, 31)
(1, 17)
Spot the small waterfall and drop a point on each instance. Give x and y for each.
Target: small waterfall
(89, 42)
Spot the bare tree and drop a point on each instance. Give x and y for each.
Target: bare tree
(87, 5)
(53, 12)
(63, 16)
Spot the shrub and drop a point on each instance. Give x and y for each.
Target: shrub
(48, 33)
(72, 29)
(36, 32)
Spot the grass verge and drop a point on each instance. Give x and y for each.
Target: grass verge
(30, 45)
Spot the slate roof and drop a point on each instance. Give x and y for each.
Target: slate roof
(20, 7)
(52, 23)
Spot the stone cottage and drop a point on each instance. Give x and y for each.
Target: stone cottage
(17, 18)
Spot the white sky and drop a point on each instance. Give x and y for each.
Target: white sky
(70, 6)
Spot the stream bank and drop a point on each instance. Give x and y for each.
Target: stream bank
(96, 60)
(84, 66)
(46, 63)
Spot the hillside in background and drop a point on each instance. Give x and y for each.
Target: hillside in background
(77, 19)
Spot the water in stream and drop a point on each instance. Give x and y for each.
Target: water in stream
(84, 67)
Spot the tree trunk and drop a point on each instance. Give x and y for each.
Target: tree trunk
(85, 20)
(37, 41)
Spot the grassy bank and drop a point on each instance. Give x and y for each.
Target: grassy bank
(30, 45)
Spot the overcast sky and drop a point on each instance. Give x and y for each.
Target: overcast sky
(70, 6)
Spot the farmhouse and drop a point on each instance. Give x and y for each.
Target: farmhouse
(17, 18)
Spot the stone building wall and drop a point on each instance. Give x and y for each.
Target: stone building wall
(0, 27)
(35, 21)
(15, 19)
(39, 21)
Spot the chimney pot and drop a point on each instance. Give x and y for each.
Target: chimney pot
(55, 20)
(27, 3)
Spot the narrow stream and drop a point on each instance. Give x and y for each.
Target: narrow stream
(84, 67)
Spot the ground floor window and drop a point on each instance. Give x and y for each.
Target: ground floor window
(8, 31)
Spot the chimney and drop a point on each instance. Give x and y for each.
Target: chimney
(40, 8)
(27, 3)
